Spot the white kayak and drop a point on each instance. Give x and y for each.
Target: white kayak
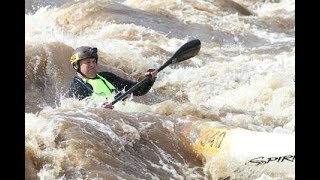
(240, 153)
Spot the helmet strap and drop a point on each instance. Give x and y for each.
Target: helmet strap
(76, 66)
(83, 74)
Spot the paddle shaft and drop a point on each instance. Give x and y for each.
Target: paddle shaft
(130, 90)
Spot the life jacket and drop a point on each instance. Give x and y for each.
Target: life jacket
(101, 87)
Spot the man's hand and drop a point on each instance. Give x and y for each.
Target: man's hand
(152, 73)
(107, 105)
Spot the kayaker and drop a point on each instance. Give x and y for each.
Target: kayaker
(88, 81)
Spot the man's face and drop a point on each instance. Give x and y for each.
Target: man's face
(88, 67)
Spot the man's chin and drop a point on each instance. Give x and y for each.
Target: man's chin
(91, 76)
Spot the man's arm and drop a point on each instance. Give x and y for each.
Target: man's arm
(121, 83)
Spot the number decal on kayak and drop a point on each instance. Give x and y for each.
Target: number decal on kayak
(210, 140)
(214, 140)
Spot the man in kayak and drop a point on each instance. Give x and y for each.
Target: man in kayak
(89, 82)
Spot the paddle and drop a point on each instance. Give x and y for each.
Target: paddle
(186, 51)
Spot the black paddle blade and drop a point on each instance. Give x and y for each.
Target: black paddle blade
(188, 50)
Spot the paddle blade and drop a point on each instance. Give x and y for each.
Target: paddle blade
(188, 50)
